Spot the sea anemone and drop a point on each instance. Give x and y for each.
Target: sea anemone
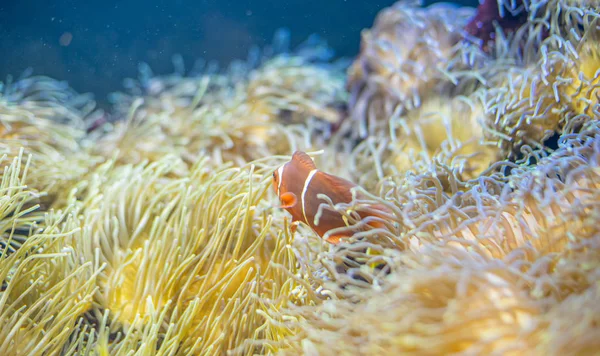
(444, 137)
(197, 255)
(234, 116)
(44, 289)
(485, 271)
(49, 121)
(405, 58)
(19, 216)
(582, 76)
(159, 233)
(556, 94)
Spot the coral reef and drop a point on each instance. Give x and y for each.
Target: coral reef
(153, 229)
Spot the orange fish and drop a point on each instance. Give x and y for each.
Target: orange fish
(298, 183)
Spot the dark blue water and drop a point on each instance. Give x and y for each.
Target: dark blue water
(95, 44)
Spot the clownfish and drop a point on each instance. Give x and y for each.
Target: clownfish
(297, 184)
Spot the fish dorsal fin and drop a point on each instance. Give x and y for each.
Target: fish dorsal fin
(304, 160)
(338, 186)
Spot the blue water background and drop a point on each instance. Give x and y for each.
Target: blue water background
(95, 44)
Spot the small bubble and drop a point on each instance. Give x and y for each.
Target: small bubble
(248, 12)
(65, 39)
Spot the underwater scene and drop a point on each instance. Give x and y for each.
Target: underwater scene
(434, 190)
